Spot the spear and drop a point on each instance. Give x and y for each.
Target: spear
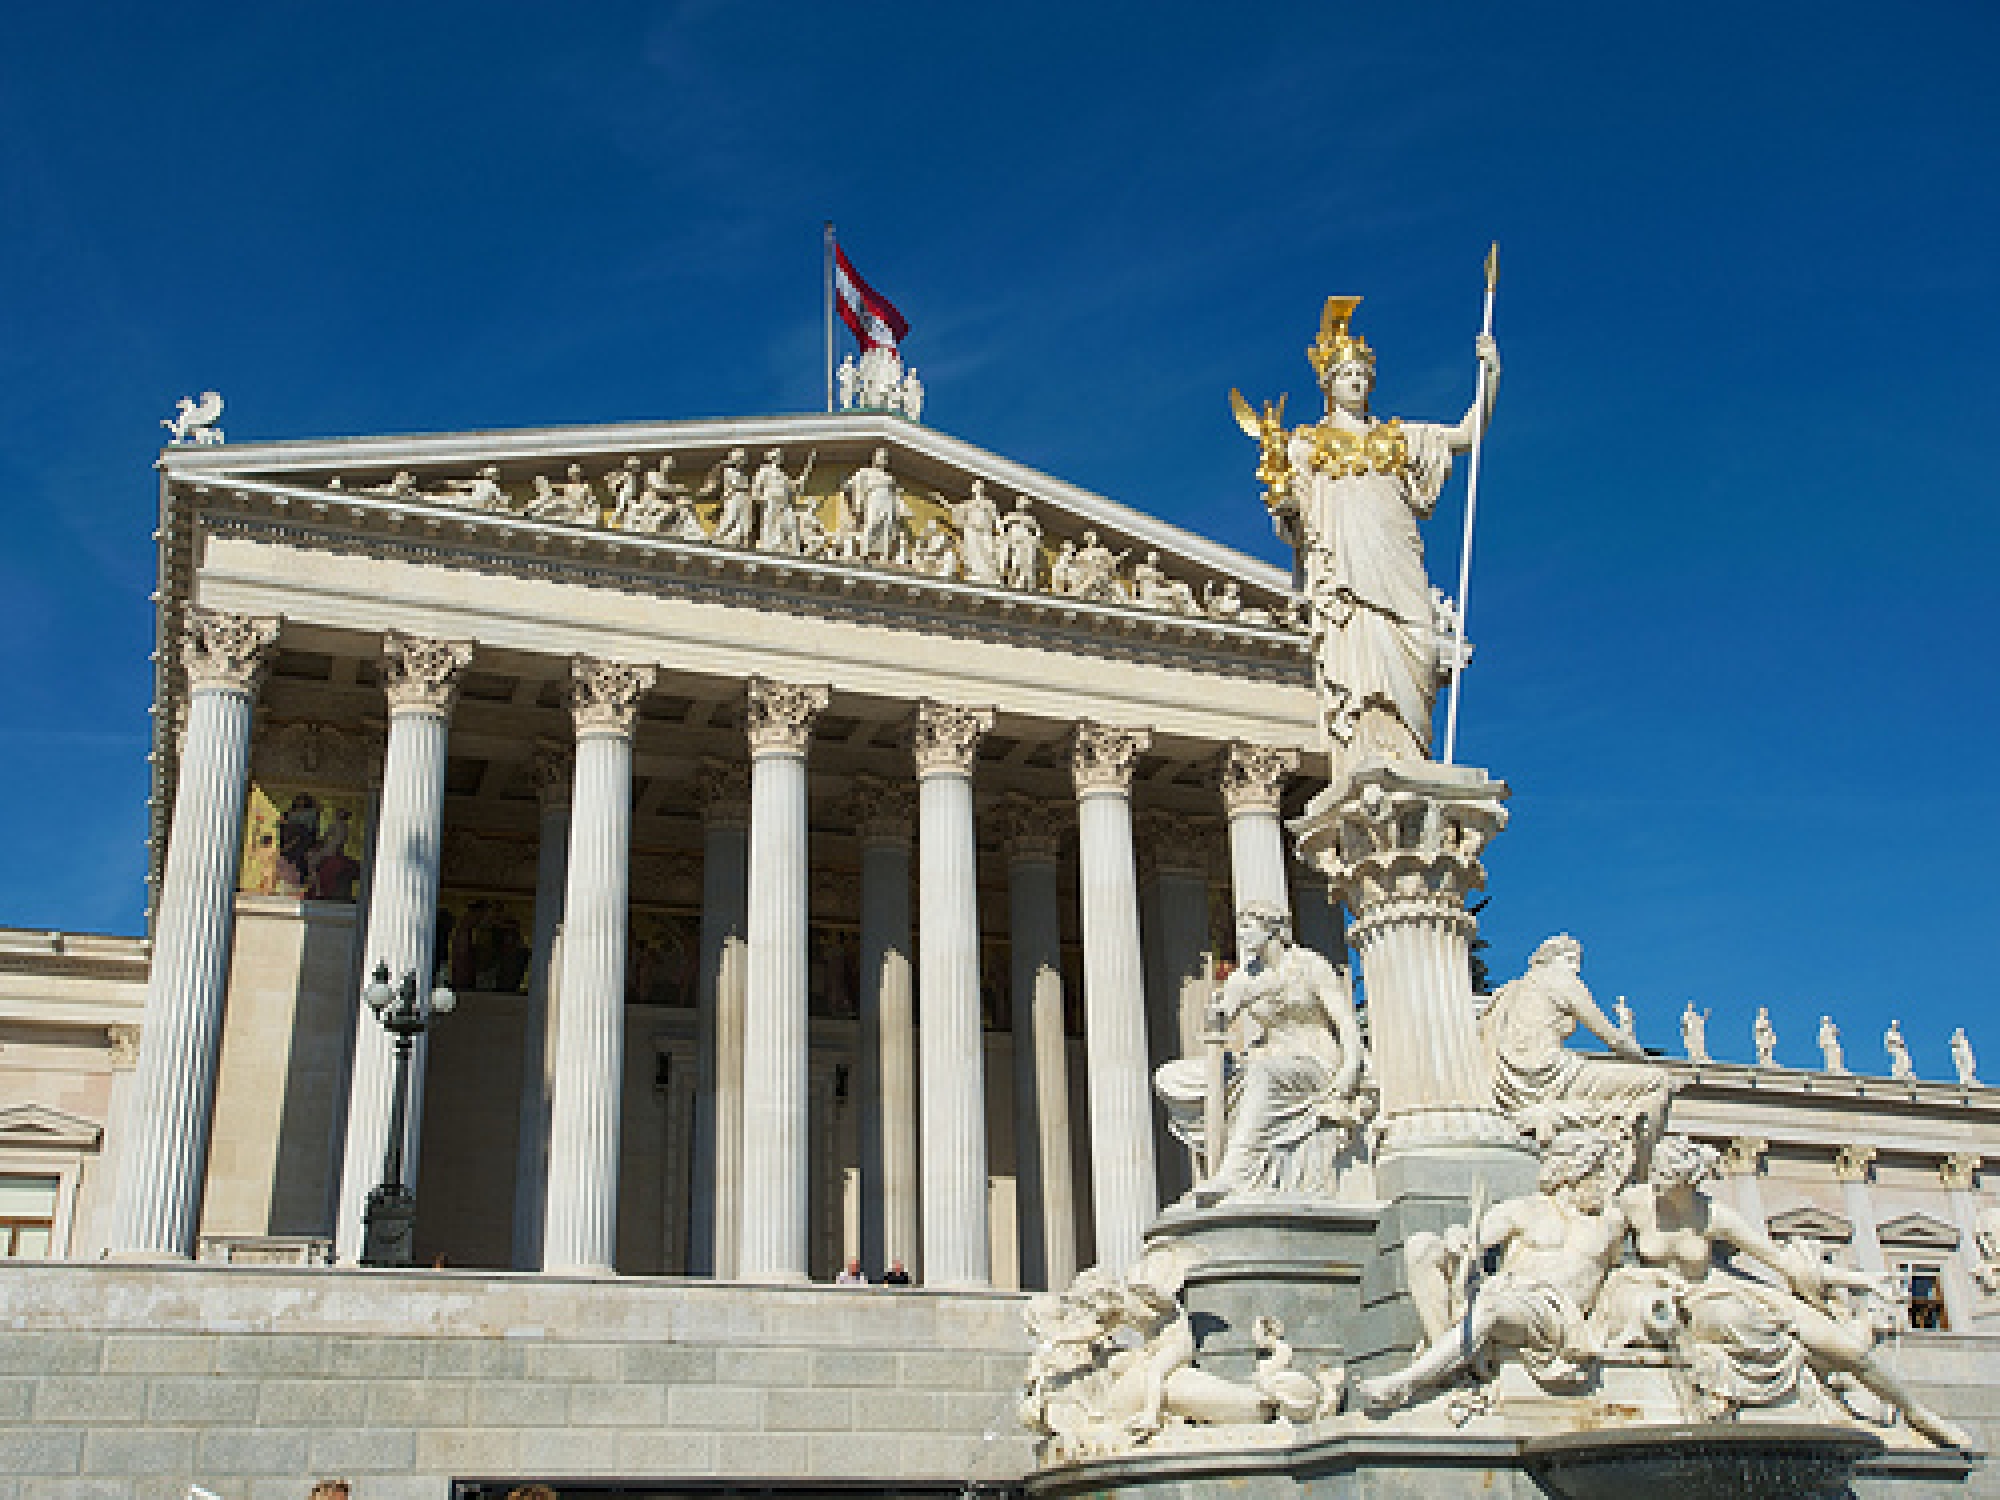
(1471, 506)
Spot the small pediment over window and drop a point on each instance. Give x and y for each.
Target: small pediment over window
(1810, 1223)
(31, 1126)
(1918, 1232)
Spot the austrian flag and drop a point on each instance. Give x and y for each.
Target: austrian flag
(871, 316)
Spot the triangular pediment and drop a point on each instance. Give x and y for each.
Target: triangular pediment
(934, 472)
(1809, 1223)
(31, 1126)
(1918, 1231)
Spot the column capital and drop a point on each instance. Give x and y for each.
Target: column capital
(1103, 756)
(421, 675)
(123, 1037)
(230, 653)
(780, 716)
(1252, 777)
(1026, 828)
(1174, 843)
(1403, 830)
(1959, 1171)
(722, 790)
(1743, 1156)
(553, 771)
(944, 737)
(884, 811)
(1853, 1163)
(603, 696)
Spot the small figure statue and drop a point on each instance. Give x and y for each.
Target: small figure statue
(1986, 1242)
(1764, 1037)
(978, 523)
(1545, 1086)
(1021, 545)
(775, 494)
(1062, 569)
(1294, 1096)
(733, 520)
(663, 507)
(573, 501)
(1833, 1058)
(1694, 1034)
(1224, 603)
(936, 553)
(195, 421)
(485, 493)
(1556, 1248)
(848, 378)
(1900, 1065)
(1149, 583)
(1962, 1060)
(913, 397)
(879, 375)
(874, 493)
(623, 486)
(1094, 571)
(843, 541)
(1627, 1022)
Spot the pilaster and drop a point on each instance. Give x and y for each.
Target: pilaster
(552, 770)
(884, 817)
(722, 791)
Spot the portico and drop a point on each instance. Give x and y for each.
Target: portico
(676, 797)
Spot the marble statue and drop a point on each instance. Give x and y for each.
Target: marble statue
(1347, 493)
(1556, 1248)
(1293, 1100)
(622, 487)
(912, 403)
(775, 496)
(1153, 589)
(1224, 602)
(1694, 1034)
(661, 506)
(1764, 1037)
(1832, 1058)
(848, 379)
(1062, 569)
(1115, 1370)
(573, 501)
(1021, 546)
(736, 515)
(843, 539)
(978, 523)
(482, 493)
(874, 494)
(878, 378)
(1545, 1086)
(1745, 1341)
(1094, 572)
(1962, 1060)
(1900, 1064)
(1627, 1022)
(935, 552)
(195, 421)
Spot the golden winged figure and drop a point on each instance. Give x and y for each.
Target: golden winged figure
(1274, 468)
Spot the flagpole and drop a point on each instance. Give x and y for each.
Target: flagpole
(827, 256)
(1471, 507)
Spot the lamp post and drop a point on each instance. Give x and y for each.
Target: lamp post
(390, 1218)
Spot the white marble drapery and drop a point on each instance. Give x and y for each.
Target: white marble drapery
(886, 1078)
(776, 1199)
(581, 1231)
(156, 1212)
(957, 1252)
(723, 791)
(420, 678)
(1122, 1173)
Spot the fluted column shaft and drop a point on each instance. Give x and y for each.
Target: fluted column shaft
(420, 678)
(1174, 855)
(957, 1252)
(157, 1210)
(1252, 780)
(1852, 1165)
(1044, 1182)
(776, 1181)
(725, 935)
(886, 1086)
(1114, 993)
(581, 1235)
(553, 773)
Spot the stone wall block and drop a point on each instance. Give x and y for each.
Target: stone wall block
(158, 1353)
(836, 1455)
(493, 1359)
(375, 1357)
(617, 1405)
(669, 1364)
(312, 1403)
(848, 1368)
(417, 1403)
(717, 1408)
(776, 1457)
(460, 1450)
(41, 1452)
(897, 1411)
(806, 1411)
(85, 1489)
(16, 1397)
(38, 1353)
(140, 1451)
(981, 1411)
(719, 1316)
(200, 1398)
(363, 1450)
(252, 1450)
(943, 1372)
(96, 1399)
(573, 1362)
(557, 1450)
(783, 1368)
(665, 1453)
(519, 1403)
(272, 1354)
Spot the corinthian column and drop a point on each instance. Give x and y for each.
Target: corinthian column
(173, 1090)
(723, 791)
(776, 1184)
(420, 678)
(582, 1230)
(1045, 1190)
(1114, 991)
(884, 817)
(956, 1250)
(1252, 779)
(553, 770)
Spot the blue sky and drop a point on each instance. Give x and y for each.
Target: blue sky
(1738, 525)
